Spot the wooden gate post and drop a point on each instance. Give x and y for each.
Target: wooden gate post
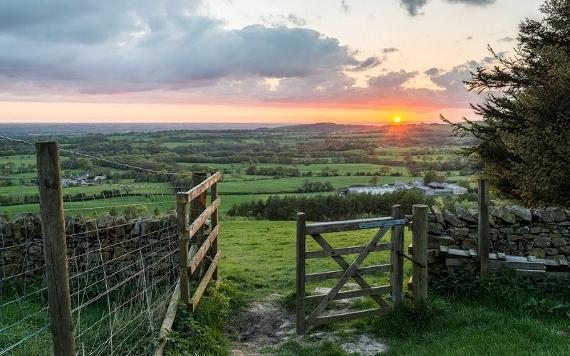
(397, 256)
(197, 207)
(420, 242)
(214, 220)
(183, 243)
(484, 240)
(301, 233)
(55, 250)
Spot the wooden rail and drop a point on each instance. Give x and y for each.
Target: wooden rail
(202, 188)
(349, 270)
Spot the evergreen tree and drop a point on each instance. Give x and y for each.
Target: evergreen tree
(524, 135)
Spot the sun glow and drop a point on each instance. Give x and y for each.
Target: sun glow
(396, 119)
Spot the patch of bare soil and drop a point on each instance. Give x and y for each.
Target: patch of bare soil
(266, 324)
(263, 324)
(353, 344)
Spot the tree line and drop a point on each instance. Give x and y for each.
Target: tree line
(329, 207)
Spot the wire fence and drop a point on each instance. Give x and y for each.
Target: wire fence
(23, 291)
(24, 324)
(122, 245)
(121, 277)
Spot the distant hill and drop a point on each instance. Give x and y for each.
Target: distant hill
(111, 128)
(325, 127)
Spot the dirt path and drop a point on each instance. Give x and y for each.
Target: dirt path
(266, 324)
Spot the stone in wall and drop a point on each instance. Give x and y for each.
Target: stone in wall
(106, 244)
(515, 230)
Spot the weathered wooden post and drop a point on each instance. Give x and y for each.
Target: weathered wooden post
(420, 242)
(214, 220)
(301, 232)
(55, 250)
(483, 228)
(183, 246)
(397, 257)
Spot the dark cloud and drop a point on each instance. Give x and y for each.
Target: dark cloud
(366, 64)
(389, 50)
(151, 45)
(414, 6)
(170, 50)
(392, 80)
(85, 21)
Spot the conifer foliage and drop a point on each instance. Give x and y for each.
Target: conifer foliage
(524, 135)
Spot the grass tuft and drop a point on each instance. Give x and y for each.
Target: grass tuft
(206, 331)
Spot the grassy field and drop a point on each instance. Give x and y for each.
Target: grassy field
(259, 259)
(250, 244)
(259, 256)
(340, 168)
(291, 184)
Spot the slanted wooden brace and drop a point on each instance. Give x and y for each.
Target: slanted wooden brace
(353, 270)
(199, 254)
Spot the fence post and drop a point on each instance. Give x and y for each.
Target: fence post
(214, 220)
(483, 228)
(183, 243)
(397, 256)
(55, 250)
(300, 295)
(420, 241)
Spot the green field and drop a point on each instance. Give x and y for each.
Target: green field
(259, 258)
(250, 244)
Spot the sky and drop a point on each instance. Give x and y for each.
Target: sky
(258, 61)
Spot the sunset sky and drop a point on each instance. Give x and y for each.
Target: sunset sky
(259, 61)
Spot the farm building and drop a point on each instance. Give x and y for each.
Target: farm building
(85, 179)
(430, 189)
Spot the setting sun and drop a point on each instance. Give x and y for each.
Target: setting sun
(396, 119)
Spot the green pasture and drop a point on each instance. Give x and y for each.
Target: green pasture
(290, 184)
(249, 244)
(18, 160)
(315, 169)
(259, 257)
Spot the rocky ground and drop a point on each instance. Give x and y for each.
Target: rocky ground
(265, 324)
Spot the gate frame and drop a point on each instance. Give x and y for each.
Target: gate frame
(349, 270)
(199, 255)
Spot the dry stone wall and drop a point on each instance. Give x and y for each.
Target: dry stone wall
(113, 241)
(514, 230)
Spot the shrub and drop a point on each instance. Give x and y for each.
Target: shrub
(507, 289)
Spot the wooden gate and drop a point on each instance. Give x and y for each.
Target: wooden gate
(199, 254)
(354, 270)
